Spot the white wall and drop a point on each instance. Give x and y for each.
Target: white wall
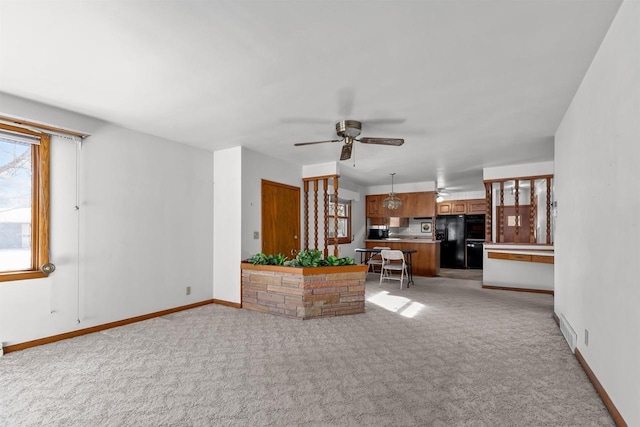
(142, 234)
(464, 195)
(597, 153)
(409, 187)
(517, 171)
(227, 224)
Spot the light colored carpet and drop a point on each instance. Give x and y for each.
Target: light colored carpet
(459, 273)
(467, 357)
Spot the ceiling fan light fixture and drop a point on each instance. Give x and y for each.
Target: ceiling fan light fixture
(392, 202)
(348, 128)
(439, 193)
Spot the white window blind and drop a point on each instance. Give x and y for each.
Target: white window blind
(23, 138)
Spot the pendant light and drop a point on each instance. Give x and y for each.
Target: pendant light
(392, 202)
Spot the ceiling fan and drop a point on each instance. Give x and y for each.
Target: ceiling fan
(440, 193)
(349, 130)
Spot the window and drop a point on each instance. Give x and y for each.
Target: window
(343, 215)
(24, 203)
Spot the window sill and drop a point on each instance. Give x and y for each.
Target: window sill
(9, 276)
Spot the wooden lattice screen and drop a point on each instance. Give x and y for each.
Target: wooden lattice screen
(500, 225)
(325, 226)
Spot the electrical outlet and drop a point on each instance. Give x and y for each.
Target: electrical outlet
(586, 337)
(256, 235)
(188, 290)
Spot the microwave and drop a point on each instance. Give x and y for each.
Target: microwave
(378, 233)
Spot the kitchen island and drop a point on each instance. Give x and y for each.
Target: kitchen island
(426, 259)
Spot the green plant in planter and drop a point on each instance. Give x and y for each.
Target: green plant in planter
(278, 259)
(258, 259)
(333, 261)
(313, 258)
(262, 259)
(310, 258)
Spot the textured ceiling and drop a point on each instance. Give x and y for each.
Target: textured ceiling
(467, 84)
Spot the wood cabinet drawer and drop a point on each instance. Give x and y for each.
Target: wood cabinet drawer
(510, 257)
(521, 257)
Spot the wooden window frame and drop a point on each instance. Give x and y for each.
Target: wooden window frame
(39, 207)
(331, 218)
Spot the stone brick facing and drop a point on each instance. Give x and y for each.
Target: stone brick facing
(303, 296)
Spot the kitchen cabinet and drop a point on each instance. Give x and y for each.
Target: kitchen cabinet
(419, 204)
(476, 206)
(374, 205)
(452, 207)
(426, 261)
(390, 221)
(416, 204)
(459, 207)
(377, 221)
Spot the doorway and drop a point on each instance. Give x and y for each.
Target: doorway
(280, 219)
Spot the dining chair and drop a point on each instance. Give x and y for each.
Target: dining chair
(393, 267)
(375, 260)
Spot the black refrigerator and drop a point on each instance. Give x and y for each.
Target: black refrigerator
(450, 232)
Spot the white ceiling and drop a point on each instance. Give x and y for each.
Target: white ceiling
(469, 84)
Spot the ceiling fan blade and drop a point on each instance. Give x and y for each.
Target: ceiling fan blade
(382, 141)
(346, 152)
(297, 144)
(306, 120)
(379, 121)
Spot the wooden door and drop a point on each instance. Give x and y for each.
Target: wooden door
(280, 219)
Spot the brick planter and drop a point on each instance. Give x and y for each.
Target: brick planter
(303, 293)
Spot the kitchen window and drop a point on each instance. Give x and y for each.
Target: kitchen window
(24, 202)
(341, 212)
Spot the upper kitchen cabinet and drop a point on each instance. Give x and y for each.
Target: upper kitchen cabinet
(452, 207)
(374, 206)
(417, 204)
(459, 207)
(378, 220)
(420, 204)
(476, 206)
